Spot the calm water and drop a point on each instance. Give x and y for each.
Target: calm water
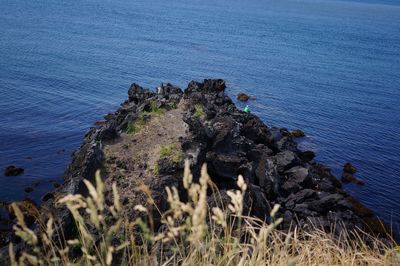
(331, 68)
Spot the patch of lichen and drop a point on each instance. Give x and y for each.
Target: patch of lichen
(198, 110)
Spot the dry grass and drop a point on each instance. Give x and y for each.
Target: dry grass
(193, 234)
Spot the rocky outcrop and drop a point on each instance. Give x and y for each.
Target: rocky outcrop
(234, 142)
(231, 142)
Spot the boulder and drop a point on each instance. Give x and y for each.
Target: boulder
(267, 176)
(306, 156)
(286, 144)
(243, 97)
(286, 160)
(13, 170)
(225, 165)
(256, 131)
(325, 203)
(298, 174)
(297, 133)
(299, 197)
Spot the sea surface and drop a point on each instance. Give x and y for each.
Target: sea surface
(331, 68)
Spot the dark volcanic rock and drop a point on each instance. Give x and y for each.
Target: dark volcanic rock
(137, 94)
(349, 168)
(256, 131)
(306, 156)
(296, 178)
(225, 165)
(47, 197)
(287, 144)
(243, 97)
(285, 160)
(13, 170)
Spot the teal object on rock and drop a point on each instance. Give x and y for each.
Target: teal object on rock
(246, 109)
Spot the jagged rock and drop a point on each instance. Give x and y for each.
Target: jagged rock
(296, 177)
(137, 94)
(299, 197)
(285, 160)
(108, 132)
(306, 156)
(298, 174)
(325, 203)
(225, 165)
(13, 170)
(258, 152)
(243, 97)
(256, 131)
(285, 132)
(267, 176)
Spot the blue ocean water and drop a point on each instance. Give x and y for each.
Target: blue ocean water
(331, 68)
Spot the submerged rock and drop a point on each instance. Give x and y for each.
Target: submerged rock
(13, 170)
(349, 178)
(348, 175)
(349, 168)
(28, 189)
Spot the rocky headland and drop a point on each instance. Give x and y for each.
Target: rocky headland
(146, 141)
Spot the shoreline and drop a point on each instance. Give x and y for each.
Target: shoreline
(211, 130)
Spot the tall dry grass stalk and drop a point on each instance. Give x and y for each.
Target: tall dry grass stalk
(193, 233)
